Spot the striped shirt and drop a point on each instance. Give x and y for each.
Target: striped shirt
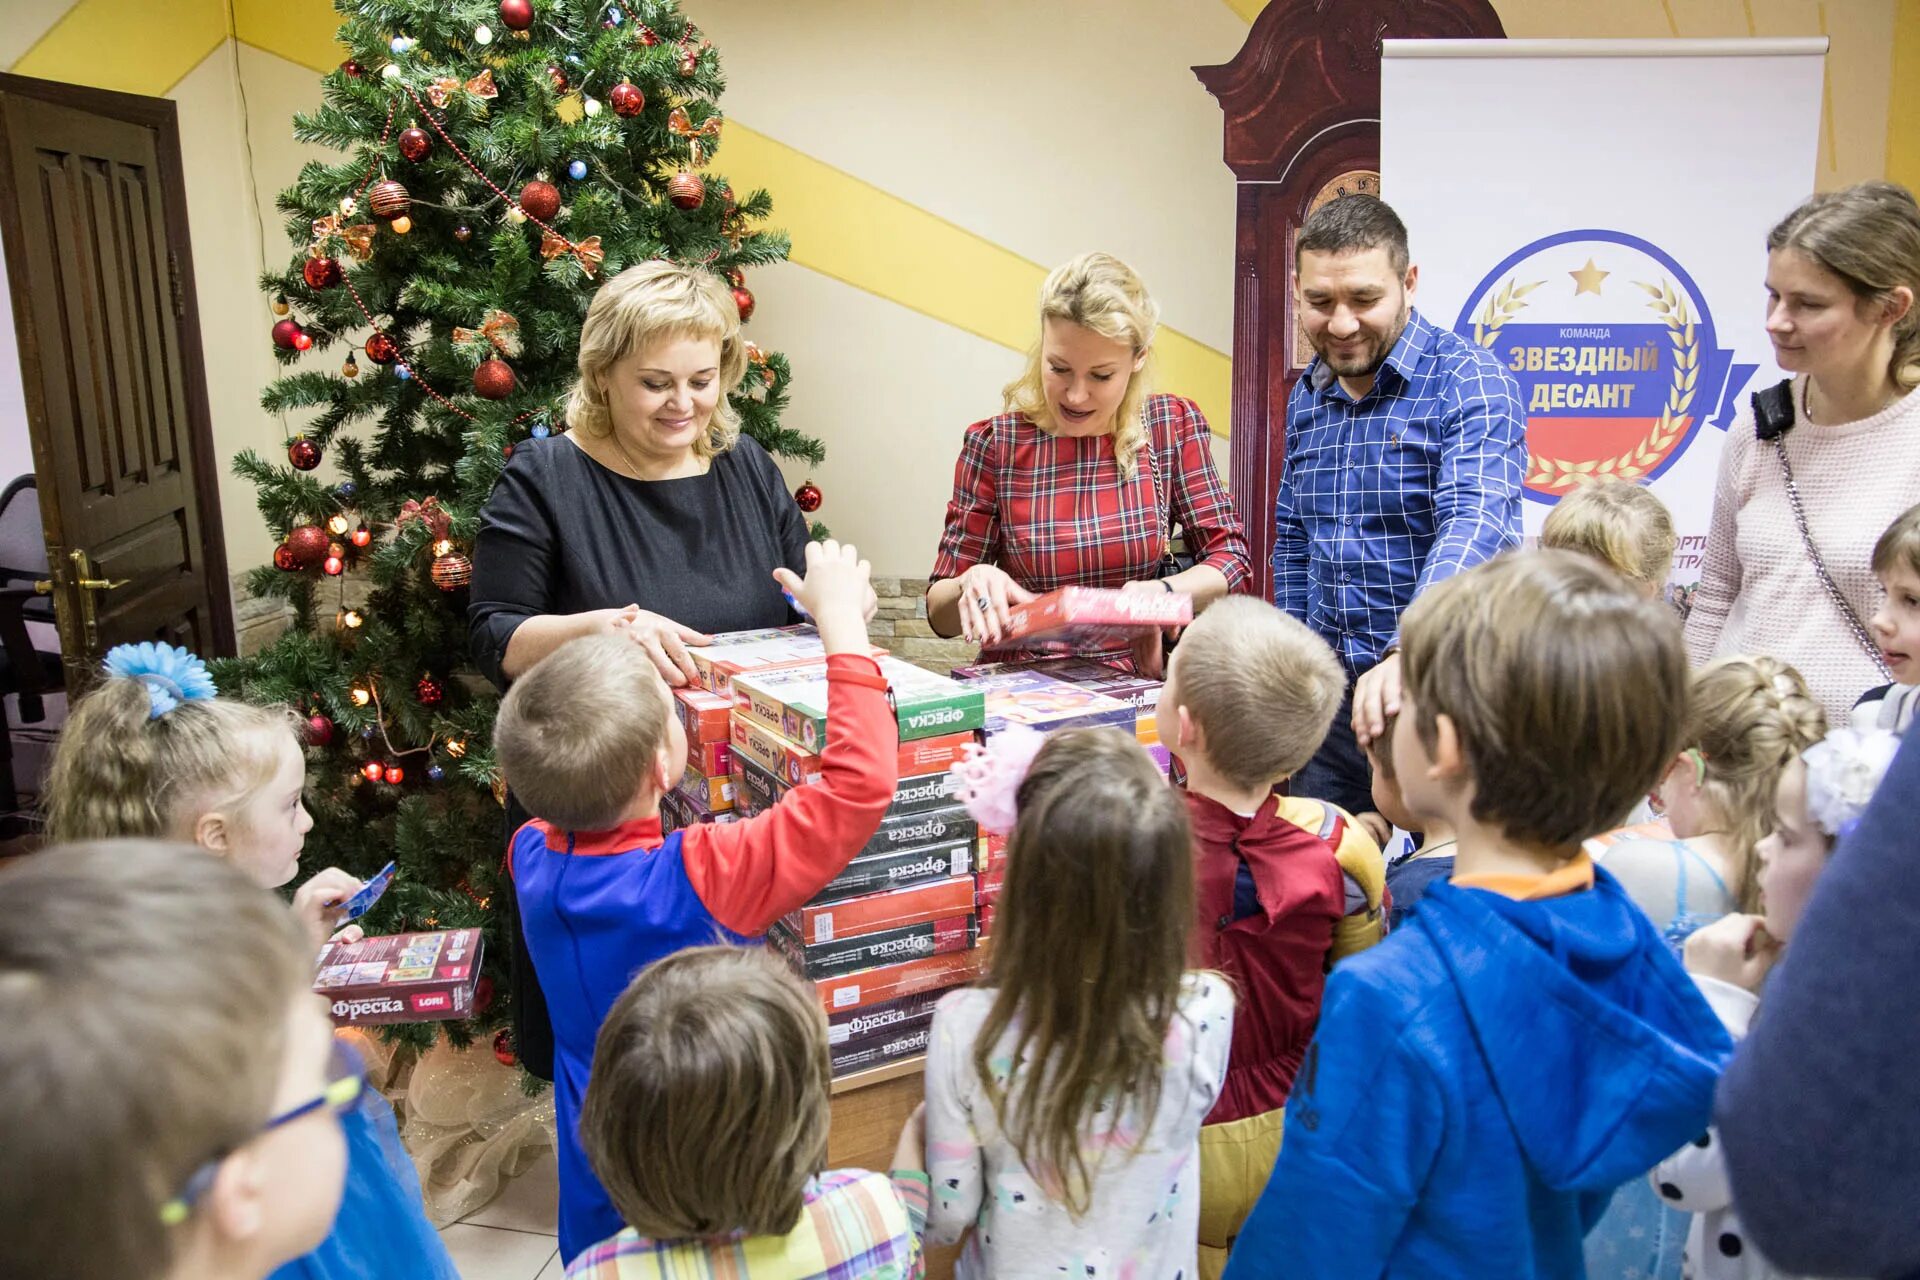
(1384, 496)
(855, 1226)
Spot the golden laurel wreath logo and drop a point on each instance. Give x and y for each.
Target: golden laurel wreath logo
(1553, 473)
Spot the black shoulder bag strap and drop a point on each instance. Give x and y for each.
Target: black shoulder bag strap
(1772, 417)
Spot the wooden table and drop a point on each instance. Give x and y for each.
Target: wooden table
(869, 1108)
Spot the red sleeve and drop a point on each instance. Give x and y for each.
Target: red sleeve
(1201, 505)
(751, 873)
(972, 532)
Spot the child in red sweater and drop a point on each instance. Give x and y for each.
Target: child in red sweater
(589, 742)
(1284, 885)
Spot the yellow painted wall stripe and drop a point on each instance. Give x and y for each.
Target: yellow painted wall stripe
(143, 48)
(1247, 9)
(1903, 105)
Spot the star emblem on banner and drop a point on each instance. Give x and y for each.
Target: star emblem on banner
(1587, 279)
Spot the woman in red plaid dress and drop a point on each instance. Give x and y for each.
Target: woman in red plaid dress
(1084, 478)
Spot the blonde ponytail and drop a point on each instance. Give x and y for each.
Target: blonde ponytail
(120, 772)
(1749, 717)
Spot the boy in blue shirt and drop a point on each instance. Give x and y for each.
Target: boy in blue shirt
(1483, 1079)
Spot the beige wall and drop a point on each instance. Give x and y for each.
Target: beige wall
(1044, 129)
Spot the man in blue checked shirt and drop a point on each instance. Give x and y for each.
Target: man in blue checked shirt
(1406, 447)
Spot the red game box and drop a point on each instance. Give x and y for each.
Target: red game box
(892, 981)
(828, 921)
(703, 714)
(402, 977)
(1081, 615)
(796, 766)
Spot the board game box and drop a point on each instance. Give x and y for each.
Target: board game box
(677, 811)
(880, 872)
(884, 1033)
(873, 913)
(767, 649)
(795, 765)
(870, 987)
(793, 702)
(714, 794)
(1075, 616)
(879, 1049)
(703, 714)
(1041, 702)
(401, 977)
(849, 955)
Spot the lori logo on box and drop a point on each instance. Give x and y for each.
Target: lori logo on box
(432, 1002)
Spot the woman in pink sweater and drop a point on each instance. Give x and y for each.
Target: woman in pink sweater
(1842, 273)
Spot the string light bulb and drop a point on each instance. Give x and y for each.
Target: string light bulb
(337, 524)
(361, 695)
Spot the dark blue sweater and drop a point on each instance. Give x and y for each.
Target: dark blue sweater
(1820, 1112)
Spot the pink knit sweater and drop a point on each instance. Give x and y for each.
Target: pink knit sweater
(1758, 590)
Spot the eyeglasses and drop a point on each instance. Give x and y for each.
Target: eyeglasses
(346, 1076)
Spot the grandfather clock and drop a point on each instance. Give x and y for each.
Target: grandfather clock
(1302, 102)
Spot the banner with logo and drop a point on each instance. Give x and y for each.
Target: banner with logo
(1595, 213)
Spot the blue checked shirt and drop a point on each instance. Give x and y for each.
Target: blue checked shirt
(1384, 496)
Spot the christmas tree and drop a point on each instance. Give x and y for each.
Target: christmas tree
(501, 161)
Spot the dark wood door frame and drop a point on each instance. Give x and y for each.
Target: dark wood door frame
(161, 116)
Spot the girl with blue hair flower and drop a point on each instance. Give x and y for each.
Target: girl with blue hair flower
(153, 752)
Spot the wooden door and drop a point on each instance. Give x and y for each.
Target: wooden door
(96, 243)
(1302, 107)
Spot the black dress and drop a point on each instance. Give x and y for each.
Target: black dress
(563, 534)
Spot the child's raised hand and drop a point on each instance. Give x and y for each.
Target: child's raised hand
(835, 592)
(321, 903)
(1735, 948)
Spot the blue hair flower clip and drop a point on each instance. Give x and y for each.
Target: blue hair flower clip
(172, 674)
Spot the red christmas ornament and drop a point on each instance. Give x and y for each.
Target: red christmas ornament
(736, 277)
(452, 571)
(283, 558)
(322, 273)
(645, 35)
(463, 233)
(352, 68)
(503, 1039)
(362, 536)
(743, 299)
(319, 730)
(389, 200)
(287, 334)
(372, 771)
(429, 692)
(540, 199)
(686, 190)
(309, 545)
(808, 497)
(303, 453)
(381, 348)
(516, 15)
(493, 379)
(333, 566)
(483, 994)
(558, 75)
(395, 775)
(626, 99)
(415, 145)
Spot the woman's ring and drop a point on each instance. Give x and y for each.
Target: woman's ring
(984, 601)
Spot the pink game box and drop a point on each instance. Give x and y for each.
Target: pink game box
(1082, 615)
(402, 977)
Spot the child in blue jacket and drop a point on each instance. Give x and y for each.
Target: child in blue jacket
(1485, 1078)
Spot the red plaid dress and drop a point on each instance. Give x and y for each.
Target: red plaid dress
(1054, 511)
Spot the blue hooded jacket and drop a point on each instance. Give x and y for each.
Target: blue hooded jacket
(1480, 1083)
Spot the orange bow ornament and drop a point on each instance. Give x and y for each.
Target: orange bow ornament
(443, 89)
(499, 328)
(358, 238)
(587, 252)
(429, 512)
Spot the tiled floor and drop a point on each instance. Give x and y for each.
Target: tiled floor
(513, 1237)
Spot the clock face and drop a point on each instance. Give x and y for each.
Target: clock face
(1354, 182)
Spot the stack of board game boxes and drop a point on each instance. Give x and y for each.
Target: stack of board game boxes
(895, 929)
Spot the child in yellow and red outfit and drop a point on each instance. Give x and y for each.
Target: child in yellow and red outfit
(1284, 886)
